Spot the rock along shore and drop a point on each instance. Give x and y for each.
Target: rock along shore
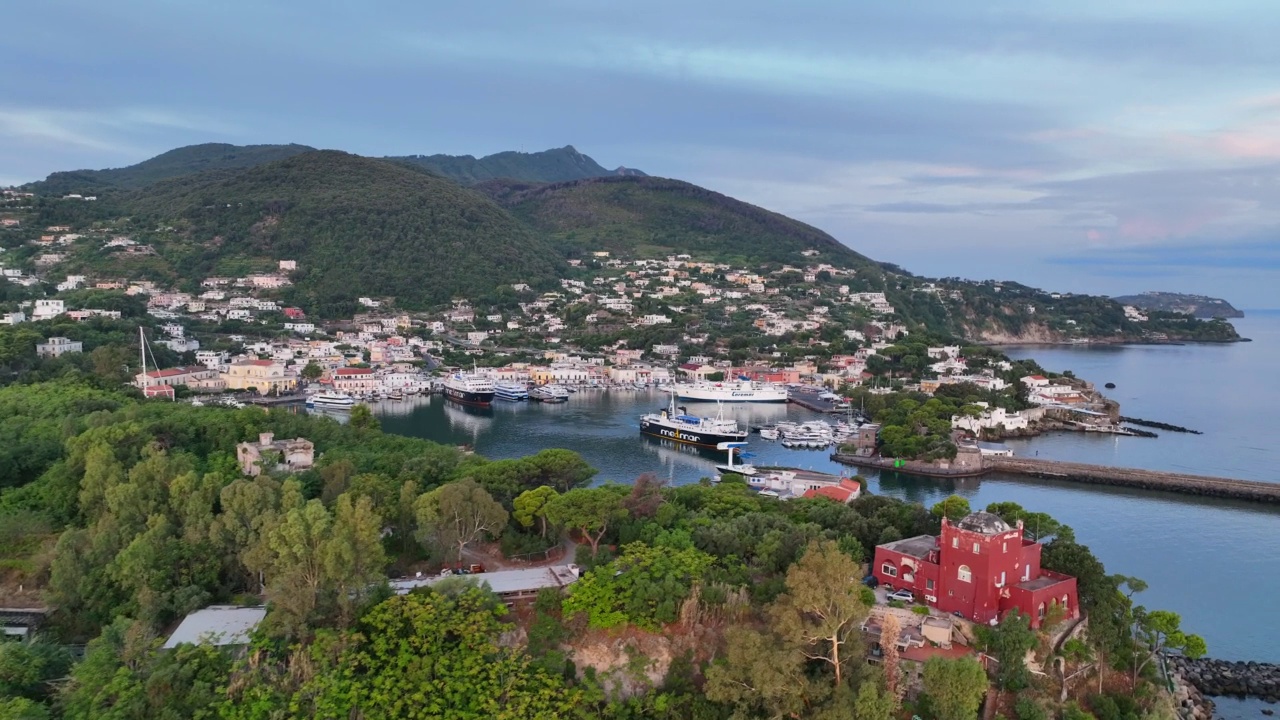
(1235, 679)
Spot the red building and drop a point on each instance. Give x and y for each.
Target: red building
(980, 568)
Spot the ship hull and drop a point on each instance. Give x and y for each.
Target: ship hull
(467, 397)
(730, 396)
(688, 437)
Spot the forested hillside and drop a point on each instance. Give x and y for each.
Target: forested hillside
(555, 165)
(356, 226)
(654, 217)
(174, 163)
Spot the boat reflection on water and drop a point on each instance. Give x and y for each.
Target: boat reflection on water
(399, 408)
(748, 415)
(674, 455)
(472, 420)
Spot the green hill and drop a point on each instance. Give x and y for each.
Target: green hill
(357, 227)
(655, 217)
(556, 165)
(175, 163)
(1199, 306)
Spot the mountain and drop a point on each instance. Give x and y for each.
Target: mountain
(557, 165)
(357, 227)
(1200, 306)
(175, 163)
(656, 217)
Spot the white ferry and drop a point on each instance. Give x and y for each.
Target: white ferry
(512, 391)
(731, 391)
(469, 388)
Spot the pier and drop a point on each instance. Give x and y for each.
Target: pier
(811, 400)
(1202, 485)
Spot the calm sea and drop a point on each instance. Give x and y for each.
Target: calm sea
(1215, 562)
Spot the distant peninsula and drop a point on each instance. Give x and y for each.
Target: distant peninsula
(1199, 306)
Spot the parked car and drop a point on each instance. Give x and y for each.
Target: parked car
(870, 581)
(903, 595)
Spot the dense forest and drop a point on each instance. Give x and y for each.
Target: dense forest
(699, 601)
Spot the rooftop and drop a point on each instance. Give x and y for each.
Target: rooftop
(919, 546)
(503, 581)
(984, 522)
(1041, 583)
(217, 625)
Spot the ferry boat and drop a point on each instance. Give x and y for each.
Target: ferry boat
(330, 400)
(469, 388)
(742, 390)
(512, 391)
(549, 394)
(691, 429)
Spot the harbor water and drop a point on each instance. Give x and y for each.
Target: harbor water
(1217, 563)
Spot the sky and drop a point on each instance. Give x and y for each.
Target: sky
(1103, 146)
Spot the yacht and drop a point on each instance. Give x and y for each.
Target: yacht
(512, 391)
(669, 424)
(328, 399)
(469, 388)
(549, 394)
(742, 390)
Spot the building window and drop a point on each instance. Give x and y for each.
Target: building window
(1001, 581)
(975, 548)
(964, 574)
(955, 542)
(889, 569)
(928, 585)
(1004, 547)
(1026, 573)
(1064, 603)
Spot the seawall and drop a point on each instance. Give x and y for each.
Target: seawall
(1201, 485)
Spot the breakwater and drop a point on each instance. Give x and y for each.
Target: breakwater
(1201, 485)
(1225, 678)
(1158, 425)
(910, 467)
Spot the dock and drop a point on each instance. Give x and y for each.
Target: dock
(810, 400)
(1202, 485)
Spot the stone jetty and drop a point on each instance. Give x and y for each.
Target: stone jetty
(1202, 485)
(1235, 679)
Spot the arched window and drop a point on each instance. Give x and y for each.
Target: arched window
(964, 574)
(1041, 611)
(889, 569)
(1064, 604)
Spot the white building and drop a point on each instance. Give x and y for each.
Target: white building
(990, 419)
(48, 309)
(57, 346)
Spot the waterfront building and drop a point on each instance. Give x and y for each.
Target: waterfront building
(980, 568)
(265, 376)
(354, 381)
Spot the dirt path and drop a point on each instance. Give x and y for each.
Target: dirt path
(491, 557)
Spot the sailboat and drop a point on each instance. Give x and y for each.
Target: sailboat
(149, 383)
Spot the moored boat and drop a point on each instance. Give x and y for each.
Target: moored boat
(511, 391)
(742, 390)
(669, 424)
(332, 400)
(469, 388)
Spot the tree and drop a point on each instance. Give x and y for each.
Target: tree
(952, 508)
(872, 704)
(312, 371)
(644, 587)
(895, 685)
(1160, 631)
(955, 687)
(297, 565)
(590, 511)
(531, 505)
(563, 470)
(762, 674)
(1008, 642)
(354, 556)
(822, 607)
(362, 418)
(426, 655)
(457, 514)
